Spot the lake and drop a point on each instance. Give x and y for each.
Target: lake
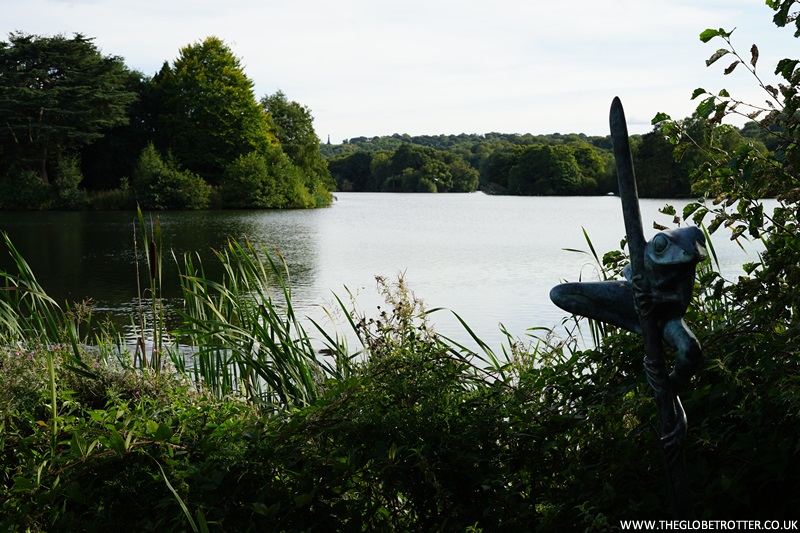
(491, 259)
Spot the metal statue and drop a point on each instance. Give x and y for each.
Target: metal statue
(663, 290)
(652, 302)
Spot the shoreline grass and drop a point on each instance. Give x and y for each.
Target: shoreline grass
(264, 430)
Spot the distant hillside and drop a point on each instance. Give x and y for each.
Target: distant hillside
(460, 142)
(524, 164)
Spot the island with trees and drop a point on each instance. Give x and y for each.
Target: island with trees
(82, 130)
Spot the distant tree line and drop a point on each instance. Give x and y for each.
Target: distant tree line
(409, 168)
(555, 164)
(82, 130)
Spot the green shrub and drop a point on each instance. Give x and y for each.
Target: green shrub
(124, 444)
(291, 189)
(23, 190)
(267, 179)
(248, 182)
(68, 176)
(115, 199)
(159, 184)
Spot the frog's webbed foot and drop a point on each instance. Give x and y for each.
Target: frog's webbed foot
(688, 356)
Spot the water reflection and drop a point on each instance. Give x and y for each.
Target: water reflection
(80, 255)
(491, 259)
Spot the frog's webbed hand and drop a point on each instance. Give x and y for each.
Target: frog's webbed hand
(644, 297)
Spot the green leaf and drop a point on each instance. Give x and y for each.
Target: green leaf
(786, 68)
(78, 443)
(720, 111)
(303, 499)
(660, 117)
(724, 93)
(164, 432)
(22, 484)
(699, 215)
(667, 210)
(716, 55)
(719, 219)
(708, 34)
(117, 443)
(706, 107)
(690, 208)
(697, 92)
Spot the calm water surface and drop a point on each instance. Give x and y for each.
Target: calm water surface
(491, 259)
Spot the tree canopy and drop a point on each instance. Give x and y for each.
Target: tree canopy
(56, 95)
(171, 141)
(409, 168)
(207, 112)
(293, 125)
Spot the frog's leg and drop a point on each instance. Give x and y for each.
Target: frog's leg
(606, 301)
(688, 355)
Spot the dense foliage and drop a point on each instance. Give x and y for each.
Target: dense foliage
(270, 429)
(552, 164)
(205, 90)
(56, 96)
(199, 114)
(528, 164)
(410, 168)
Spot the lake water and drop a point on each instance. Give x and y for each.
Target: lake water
(491, 259)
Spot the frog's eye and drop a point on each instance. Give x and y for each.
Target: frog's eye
(660, 243)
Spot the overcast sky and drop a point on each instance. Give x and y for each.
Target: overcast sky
(373, 67)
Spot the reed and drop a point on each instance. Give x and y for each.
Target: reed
(245, 339)
(153, 252)
(603, 268)
(26, 311)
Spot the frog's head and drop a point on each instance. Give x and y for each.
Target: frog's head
(685, 245)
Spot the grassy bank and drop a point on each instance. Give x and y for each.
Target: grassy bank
(263, 430)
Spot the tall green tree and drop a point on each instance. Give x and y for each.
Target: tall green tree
(207, 113)
(56, 95)
(657, 171)
(596, 169)
(293, 125)
(352, 172)
(545, 170)
(464, 177)
(107, 161)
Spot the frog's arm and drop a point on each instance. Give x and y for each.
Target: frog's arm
(607, 301)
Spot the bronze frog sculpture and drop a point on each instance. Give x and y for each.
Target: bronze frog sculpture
(664, 289)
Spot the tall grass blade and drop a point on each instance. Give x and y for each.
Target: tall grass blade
(179, 500)
(26, 311)
(488, 356)
(244, 341)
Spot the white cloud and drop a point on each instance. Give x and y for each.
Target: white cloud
(369, 67)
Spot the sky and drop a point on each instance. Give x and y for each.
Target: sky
(429, 67)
